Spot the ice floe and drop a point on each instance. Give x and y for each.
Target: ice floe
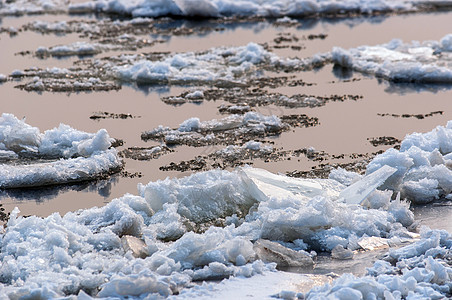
(415, 62)
(56, 156)
(215, 65)
(197, 133)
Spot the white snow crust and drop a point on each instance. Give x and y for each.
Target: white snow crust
(59, 155)
(418, 62)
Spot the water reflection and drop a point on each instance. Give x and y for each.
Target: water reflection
(409, 88)
(101, 187)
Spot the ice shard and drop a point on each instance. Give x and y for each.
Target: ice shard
(358, 192)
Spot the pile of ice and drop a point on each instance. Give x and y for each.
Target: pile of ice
(418, 271)
(59, 155)
(217, 131)
(120, 249)
(250, 8)
(423, 163)
(230, 64)
(419, 62)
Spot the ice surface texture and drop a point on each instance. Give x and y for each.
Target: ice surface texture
(57, 156)
(417, 62)
(423, 165)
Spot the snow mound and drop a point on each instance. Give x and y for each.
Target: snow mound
(59, 155)
(423, 165)
(418, 62)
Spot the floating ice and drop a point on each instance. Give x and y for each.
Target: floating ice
(419, 62)
(423, 165)
(79, 48)
(59, 155)
(216, 65)
(194, 132)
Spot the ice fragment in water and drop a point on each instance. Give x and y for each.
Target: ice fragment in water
(358, 192)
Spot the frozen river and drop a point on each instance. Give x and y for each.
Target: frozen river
(181, 96)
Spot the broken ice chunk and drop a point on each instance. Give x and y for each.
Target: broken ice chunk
(135, 245)
(269, 251)
(358, 192)
(282, 186)
(372, 242)
(339, 252)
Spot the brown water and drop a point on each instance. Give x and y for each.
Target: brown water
(344, 126)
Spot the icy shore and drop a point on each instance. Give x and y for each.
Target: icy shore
(61, 155)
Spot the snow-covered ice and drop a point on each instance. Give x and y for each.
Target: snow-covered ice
(195, 132)
(423, 165)
(79, 48)
(56, 156)
(226, 64)
(419, 62)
